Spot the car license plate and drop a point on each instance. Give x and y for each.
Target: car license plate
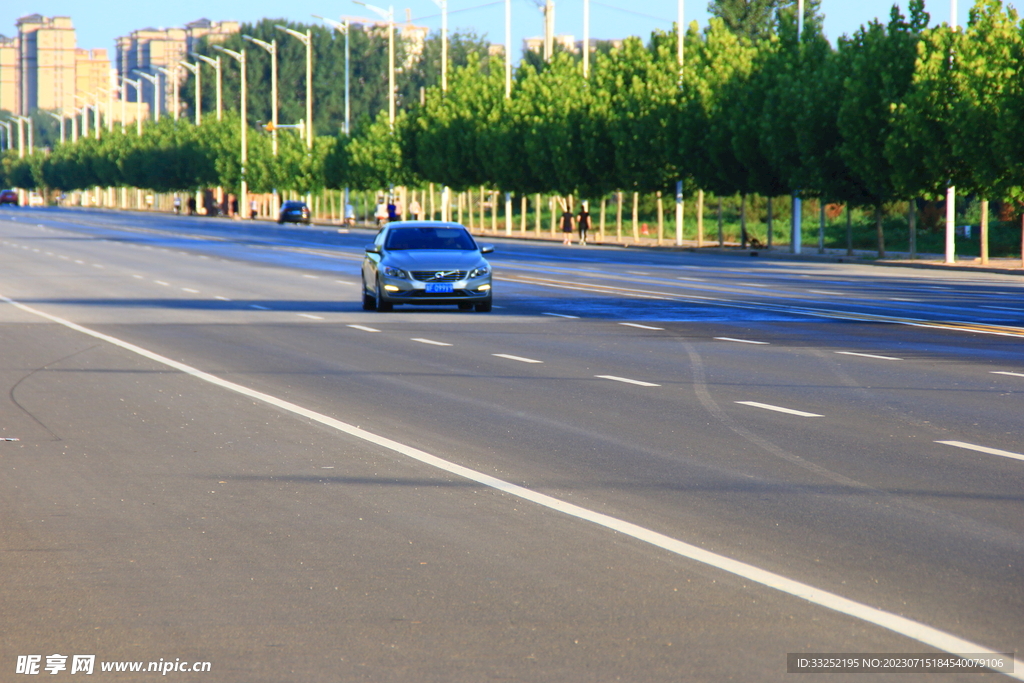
(435, 288)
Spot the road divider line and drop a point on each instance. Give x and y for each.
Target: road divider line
(866, 355)
(364, 328)
(983, 449)
(310, 316)
(642, 327)
(778, 409)
(895, 623)
(1011, 374)
(518, 358)
(222, 298)
(190, 290)
(740, 341)
(430, 341)
(627, 380)
(562, 315)
(161, 282)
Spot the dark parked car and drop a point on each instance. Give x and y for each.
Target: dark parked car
(426, 262)
(294, 212)
(8, 197)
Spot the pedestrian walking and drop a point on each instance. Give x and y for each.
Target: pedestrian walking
(567, 225)
(381, 214)
(583, 223)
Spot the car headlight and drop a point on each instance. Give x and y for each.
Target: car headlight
(479, 272)
(395, 272)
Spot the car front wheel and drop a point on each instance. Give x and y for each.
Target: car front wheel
(484, 307)
(380, 303)
(369, 303)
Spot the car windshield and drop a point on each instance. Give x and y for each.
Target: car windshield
(293, 205)
(400, 239)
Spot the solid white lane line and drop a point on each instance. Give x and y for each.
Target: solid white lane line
(222, 298)
(258, 307)
(642, 327)
(190, 290)
(922, 633)
(311, 317)
(866, 355)
(1011, 374)
(429, 341)
(740, 341)
(778, 409)
(562, 315)
(627, 380)
(518, 358)
(364, 328)
(983, 449)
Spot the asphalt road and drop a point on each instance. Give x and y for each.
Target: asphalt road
(641, 466)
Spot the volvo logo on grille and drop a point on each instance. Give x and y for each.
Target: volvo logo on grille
(444, 273)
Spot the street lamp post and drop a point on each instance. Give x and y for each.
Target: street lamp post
(343, 28)
(680, 36)
(389, 16)
(307, 40)
(951, 190)
(239, 57)
(137, 84)
(96, 112)
(171, 74)
(155, 81)
(60, 118)
(215, 63)
(198, 73)
(271, 48)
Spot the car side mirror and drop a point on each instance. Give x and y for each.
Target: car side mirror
(372, 249)
(487, 249)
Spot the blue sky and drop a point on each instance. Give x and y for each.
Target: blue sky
(99, 22)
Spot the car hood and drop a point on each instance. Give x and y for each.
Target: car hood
(429, 259)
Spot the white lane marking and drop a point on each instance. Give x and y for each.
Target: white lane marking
(430, 341)
(896, 298)
(63, 257)
(518, 358)
(637, 272)
(364, 328)
(311, 317)
(222, 298)
(1011, 374)
(138, 277)
(345, 282)
(562, 315)
(922, 633)
(824, 291)
(190, 290)
(642, 327)
(692, 279)
(778, 409)
(96, 265)
(866, 355)
(983, 449)
(80, 262)
(258, 307)
(311, 277)
(627, 380)
(740, 341)
(1003, 308)
(161, 282)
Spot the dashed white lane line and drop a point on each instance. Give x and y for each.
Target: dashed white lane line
(895, 623)
(64, 258)
(190, 290)
(778, 409)
(161, 282)
(96, 265)
(692, 279)
(364, 328)
(222, 298)
(866, 355)
(1003, 308)
(562, 315)
(310, 316)
(258, 307)
(518, 358)
(740, 341)
(430, 341)
(138, 277)
(983, 449)
(311, 277)
(80, 262)
(642, 327)
(627, 380)
(1011, 374)
(826, 292)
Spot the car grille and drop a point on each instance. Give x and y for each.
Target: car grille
(439, 275)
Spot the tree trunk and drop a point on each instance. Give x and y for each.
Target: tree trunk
(912, 227)
(768, 237)
(661, 220)
(984, 232)
(721, 230)
(849, 230)
(878, 229)
(821, 225)
(636, 217)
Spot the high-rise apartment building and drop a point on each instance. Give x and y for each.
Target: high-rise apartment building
(146, 49)
(46, 63)
(10, 83)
